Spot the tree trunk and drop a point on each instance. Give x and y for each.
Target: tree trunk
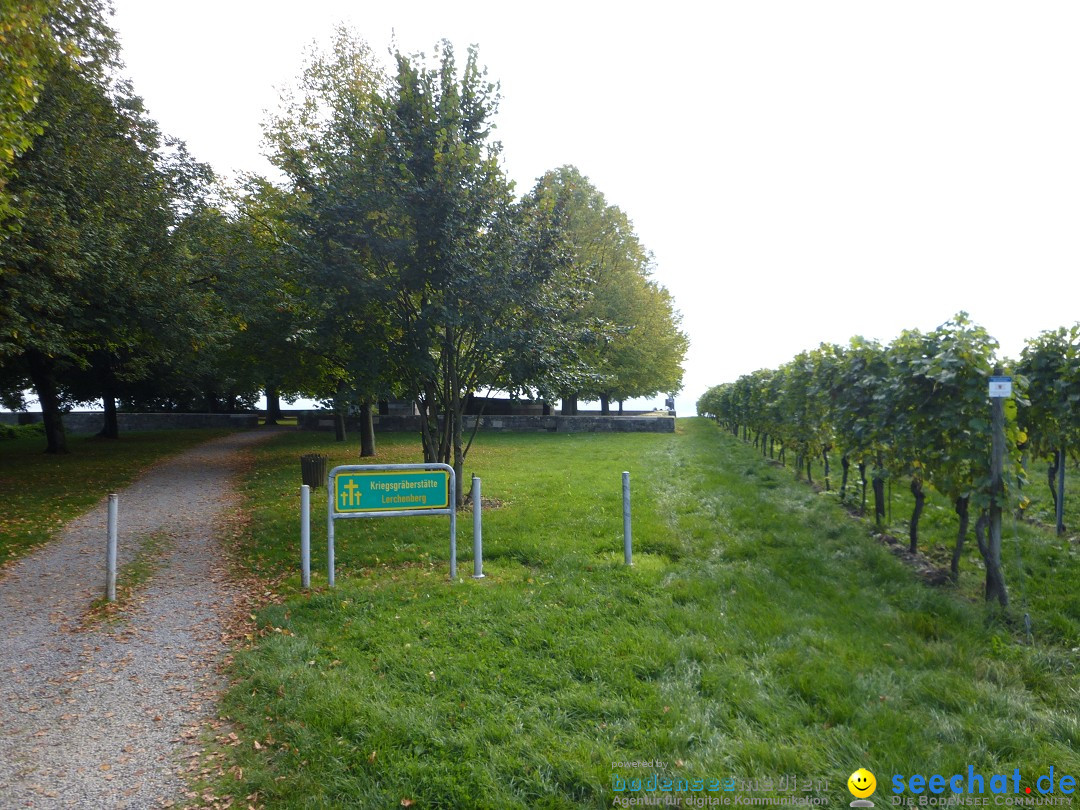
(809, 465)
(862, 481)
(961, 509)
(459, 459)
(825, 458)
(771, 440)
(367, 431)
(569, 405)
(1020, 482)
(273, 404)
(620, 407)
(1051, 478)
(111, 428)
(980, 532)
(995, 582)
(429, 423)
(605, 405)
(339, 413)
(878, 484)
(845, 464)
(1059, 501)
(913, 526)
(456, 417)
(42, 375)
(103, 367)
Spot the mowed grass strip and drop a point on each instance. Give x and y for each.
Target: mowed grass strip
(760, 633)
(40, 493)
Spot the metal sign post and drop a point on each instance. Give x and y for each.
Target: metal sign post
(390, 490)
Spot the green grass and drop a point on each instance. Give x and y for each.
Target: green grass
(130, 579)
(40, 493)
(760, 633)
(1032, 556)
(1041, 508)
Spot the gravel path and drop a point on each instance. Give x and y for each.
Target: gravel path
(92, 716)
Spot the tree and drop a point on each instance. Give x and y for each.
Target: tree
(406, 216)
(633, 346)
(325, 138)
(59, 302)
(35, 37)
(89, 276)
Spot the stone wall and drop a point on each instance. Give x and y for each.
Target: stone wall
(316, 420)
(92, 422)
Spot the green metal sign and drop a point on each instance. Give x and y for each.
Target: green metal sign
(396, 491)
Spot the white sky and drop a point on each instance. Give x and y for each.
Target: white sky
(803, 171)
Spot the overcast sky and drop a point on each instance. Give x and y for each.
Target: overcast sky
(803, 171)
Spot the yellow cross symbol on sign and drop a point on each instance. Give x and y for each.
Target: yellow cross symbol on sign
(350, 498)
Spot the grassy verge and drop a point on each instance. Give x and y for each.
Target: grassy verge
(761, 634)
(41, 493)
(130, 579)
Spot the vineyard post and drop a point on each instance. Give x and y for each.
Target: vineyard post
(995, 579)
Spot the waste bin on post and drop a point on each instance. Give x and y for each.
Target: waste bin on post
(313, 469)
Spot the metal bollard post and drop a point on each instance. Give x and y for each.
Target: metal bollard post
(110, 549)
(477, 538)
(453, 526)
(628, 549)
(305, 536)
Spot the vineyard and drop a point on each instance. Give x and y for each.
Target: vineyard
(916, 413)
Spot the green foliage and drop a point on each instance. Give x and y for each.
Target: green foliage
(92, 294)
(918, 404)
(917, 408)
(1050, 364)
(426, 275)
(633, 346)
(21, 431)
(36, 36)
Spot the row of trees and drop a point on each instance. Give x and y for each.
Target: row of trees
(91, 290)
(916, 410)
(393, 259)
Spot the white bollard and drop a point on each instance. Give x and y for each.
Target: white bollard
(477, 534)
(110, 549)
(628, 550)
(305, 536)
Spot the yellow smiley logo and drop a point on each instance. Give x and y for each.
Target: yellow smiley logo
(861, 783)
